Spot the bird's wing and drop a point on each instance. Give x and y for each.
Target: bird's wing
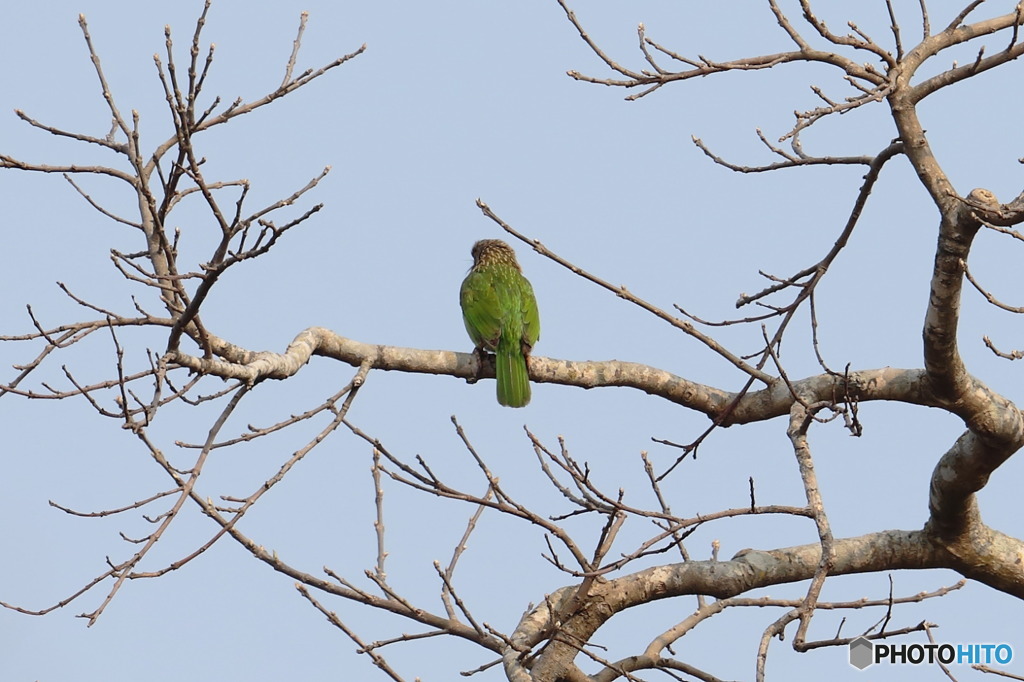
(531, 315)
(481, 310)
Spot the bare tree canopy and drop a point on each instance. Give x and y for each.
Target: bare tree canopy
(805, 412)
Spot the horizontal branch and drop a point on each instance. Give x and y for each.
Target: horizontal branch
(748, 570)
(17, 164)
(903, 385)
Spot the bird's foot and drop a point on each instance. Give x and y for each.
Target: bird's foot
(479, 354)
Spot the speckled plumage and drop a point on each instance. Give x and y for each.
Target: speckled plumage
(500, 312)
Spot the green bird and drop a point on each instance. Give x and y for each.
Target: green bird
(501, 316)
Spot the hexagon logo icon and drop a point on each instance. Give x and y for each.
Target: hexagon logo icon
(862, 653)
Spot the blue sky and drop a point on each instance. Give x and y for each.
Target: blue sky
(451, 102)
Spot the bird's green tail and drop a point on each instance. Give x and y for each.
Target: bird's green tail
(511, 374)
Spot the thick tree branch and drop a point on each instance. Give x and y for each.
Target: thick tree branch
(903, 385)
(887, 550)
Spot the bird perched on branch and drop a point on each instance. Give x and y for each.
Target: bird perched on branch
(501, 316)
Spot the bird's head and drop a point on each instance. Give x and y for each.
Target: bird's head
(494, 252)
